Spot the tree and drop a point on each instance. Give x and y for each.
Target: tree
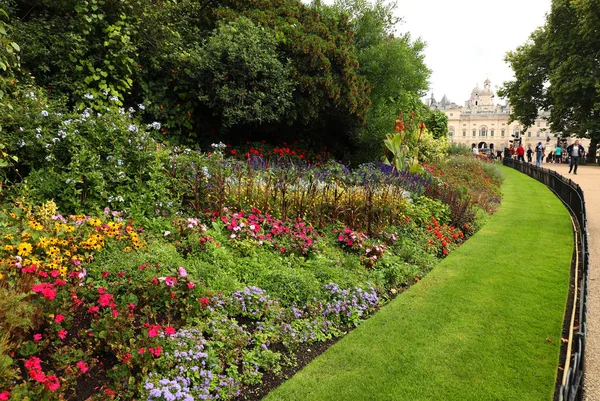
(240, 77)
(394, 67)
(557, 71)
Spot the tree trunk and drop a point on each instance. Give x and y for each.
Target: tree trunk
(591, 154)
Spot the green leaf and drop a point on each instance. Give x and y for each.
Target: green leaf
(15, 46)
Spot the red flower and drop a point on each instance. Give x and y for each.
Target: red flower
(155, 351)
(141, 351)
(93, 309)
(126, 358)
(204, 301)
(37, 337)
(83, 367)
(169, 330)
(445, 252)
(62, 334)
(4, 396)
(191, 285)
(109, 392)
(59, 318)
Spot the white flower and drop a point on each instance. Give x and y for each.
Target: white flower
(38, 136)
(21, 129)
(232, 236)
(141, 107)
(44, 113)
(132, 128)
(21, 143)
(55, 140)
(88, 96)
(155, 125)
(62, 134)
(38, 129)
(167, 233)
(114, 99)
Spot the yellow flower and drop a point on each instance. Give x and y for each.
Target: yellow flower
(43, 242)
(8, 236)
(95, 222)
(8, 248)
(24, 249)
(1, 276)
(11, 214)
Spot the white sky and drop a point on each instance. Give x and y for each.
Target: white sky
(467, 39)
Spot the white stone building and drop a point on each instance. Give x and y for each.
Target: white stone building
(483, 123)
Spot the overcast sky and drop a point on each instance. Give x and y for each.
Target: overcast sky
(467, 39)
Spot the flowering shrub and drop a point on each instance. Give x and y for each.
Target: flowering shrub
(42, 243)
(289, 237)
(443, 239)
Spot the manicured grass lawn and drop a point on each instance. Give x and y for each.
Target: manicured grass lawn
(476, 328)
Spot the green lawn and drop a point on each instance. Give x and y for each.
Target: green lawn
(475, 328)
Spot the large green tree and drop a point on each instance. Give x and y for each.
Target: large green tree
(557, 70)
(393, 65)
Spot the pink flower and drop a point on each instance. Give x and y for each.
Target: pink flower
(4, 396)
(59, 318)
(169, 330)
(37, 337)
(105, 299)
(83, 367)
(204, 301)
(115, 313)
(46, 289)
(131, 306)
(182, 271)
(153, 330)
(54, 273)
(191, 285)
(170, 281)
(93, 309)
(62, 333)
(51, 383)
(141, 351)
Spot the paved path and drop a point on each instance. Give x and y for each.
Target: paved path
(588, 177)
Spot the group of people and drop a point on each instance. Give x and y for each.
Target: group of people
(574, 154)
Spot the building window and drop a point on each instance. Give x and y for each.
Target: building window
(529, 134)
(483, 132)
(492, 133)
(537, 134)
(502, 132)
(547, 124)
(474, 132)
(503, 124)
(464, 125)
(451, 114)
(538, 123)
(451, 131)
(464, 132)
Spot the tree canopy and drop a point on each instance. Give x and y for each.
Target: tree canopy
(556, 70)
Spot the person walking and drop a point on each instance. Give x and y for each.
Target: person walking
(529, 154)
(539, 154)
(575, 152)
(558, 155)
(521, 153)
(475, 150)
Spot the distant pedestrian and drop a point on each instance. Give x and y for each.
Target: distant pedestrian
(475, 150)
(499, 154)
(539, 154)
(521, 153)
(511, 149)
(529, 154)
(575, 152)
(550, 157)
(558, 155)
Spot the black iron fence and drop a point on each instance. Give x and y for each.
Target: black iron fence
(571, 194)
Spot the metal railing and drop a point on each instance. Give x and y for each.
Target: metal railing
(571, 194)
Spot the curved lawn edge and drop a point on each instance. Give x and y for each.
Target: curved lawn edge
(484, 325)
